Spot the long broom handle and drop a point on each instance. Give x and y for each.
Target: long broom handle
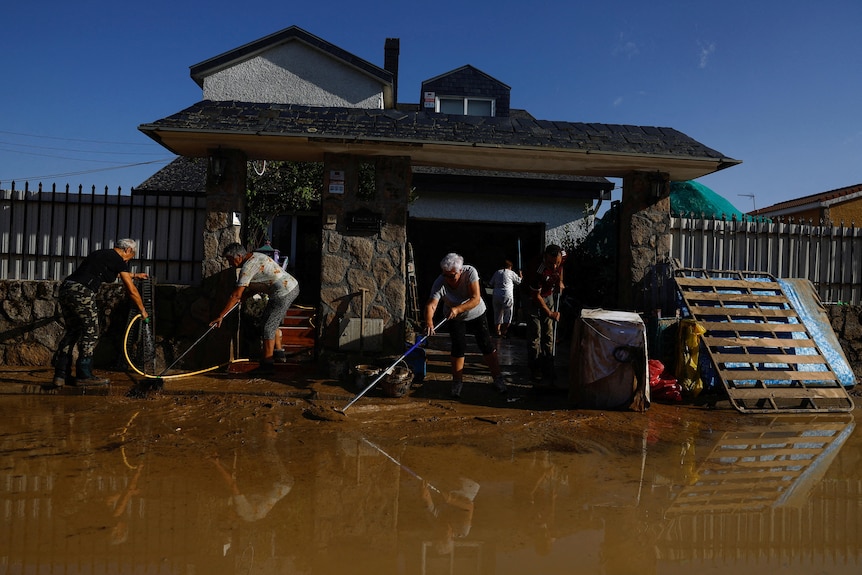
(554, 336)
(192, 346)
(401, 465)
(389, 369)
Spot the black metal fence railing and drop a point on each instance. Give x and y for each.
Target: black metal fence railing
(44, 234)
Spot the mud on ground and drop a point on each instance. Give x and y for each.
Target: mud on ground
(299, 396)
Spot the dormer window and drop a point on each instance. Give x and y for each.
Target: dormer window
(465, 106)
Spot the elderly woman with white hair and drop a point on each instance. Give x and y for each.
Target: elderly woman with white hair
(458, 288)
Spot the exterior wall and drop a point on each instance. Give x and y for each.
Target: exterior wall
(225, 204)
(294, 73)
(813, 215)
(846, 212)
(31, 324)
(644, 238)
(563, 218)
(373, 261)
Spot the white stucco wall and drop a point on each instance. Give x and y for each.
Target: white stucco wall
(294, 73)
(563, 218)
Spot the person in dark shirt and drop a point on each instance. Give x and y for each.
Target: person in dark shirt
(81, 314)
(544, 281)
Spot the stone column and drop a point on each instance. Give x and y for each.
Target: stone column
(222, 226)
(355, 257)
(225, 207)
(644, 237)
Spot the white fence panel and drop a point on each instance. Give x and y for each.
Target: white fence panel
(829, 256)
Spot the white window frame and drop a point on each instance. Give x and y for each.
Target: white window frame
(465, 102)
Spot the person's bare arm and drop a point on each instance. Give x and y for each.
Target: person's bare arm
(430, 308)
(469, 303)
(235, 298)
(135, 296)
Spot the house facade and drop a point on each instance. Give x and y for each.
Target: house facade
(842, 206)
(438, 173)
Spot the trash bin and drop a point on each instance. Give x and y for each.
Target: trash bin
(608, 362)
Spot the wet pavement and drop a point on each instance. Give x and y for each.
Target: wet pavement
(225, 474)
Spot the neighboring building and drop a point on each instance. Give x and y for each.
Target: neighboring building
(842, 206)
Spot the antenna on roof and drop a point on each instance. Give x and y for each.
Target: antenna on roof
(753, 203)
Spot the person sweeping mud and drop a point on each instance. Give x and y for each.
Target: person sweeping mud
(260, 273)
(81, 314)
(458, 288)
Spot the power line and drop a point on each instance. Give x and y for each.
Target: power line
(84, 172)
(79, 151)
(76, 139)
(62, 157)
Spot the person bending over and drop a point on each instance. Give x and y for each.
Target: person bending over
(259, 273)
(457, 287)
(81, 314)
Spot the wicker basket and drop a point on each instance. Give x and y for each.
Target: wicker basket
(397, 382)
(364, 375)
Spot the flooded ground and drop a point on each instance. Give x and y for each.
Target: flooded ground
(223, 474)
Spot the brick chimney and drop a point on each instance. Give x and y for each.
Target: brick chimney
(391, 50)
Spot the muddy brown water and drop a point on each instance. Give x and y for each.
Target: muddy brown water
(231, 475)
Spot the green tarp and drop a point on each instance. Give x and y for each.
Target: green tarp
(693, 200)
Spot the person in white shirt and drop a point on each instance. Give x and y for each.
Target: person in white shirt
(504, 281)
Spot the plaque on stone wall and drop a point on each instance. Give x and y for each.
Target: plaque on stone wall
(364, 220)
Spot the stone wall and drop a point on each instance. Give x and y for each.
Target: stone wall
(31, 323)
(357, 259)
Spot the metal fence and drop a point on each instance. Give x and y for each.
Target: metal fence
(827, 255)
(44, 234)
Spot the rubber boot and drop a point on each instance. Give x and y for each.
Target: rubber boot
(62, 370)
(549, 371)
(84, 374)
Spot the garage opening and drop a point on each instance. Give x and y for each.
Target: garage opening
(484, 246)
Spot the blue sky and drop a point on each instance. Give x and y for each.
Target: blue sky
(776, 84)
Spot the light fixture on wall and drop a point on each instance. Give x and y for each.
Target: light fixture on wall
(656, 184)
(218, 165)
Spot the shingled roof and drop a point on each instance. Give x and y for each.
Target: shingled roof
(291, 34)
(304, 133)
(186, 175)
(819, 200)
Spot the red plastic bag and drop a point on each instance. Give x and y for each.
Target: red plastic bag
(663, 386)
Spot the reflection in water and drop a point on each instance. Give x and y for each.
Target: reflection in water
(760, 495)
(154, 494)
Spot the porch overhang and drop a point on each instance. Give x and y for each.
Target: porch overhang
(478, 156)
(302, 133)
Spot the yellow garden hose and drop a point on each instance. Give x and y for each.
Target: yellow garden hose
(153, 376)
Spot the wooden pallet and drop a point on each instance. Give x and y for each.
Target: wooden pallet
(762, 351)
(298, 331)
(773, 464)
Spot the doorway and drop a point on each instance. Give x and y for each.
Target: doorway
(484, 245)
(297, 237)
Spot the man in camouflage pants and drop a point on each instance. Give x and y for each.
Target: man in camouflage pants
(81, 314)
